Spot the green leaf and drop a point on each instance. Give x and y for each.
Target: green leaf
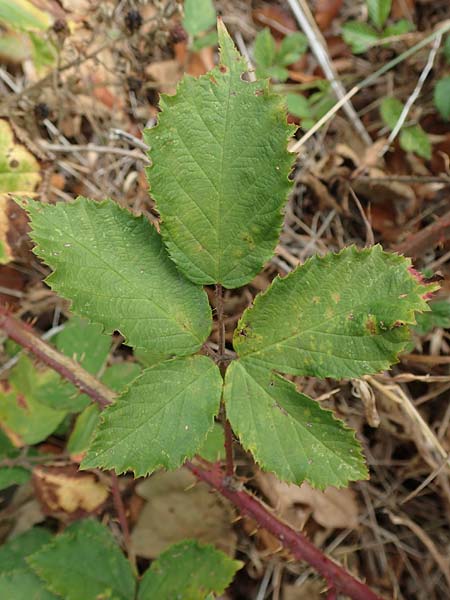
(120, 375)
(24, 16)
(14, 551)
(83, 429)
(17, 581)
(19, 170)
(442, 97)
(447, 48)
(7, 449)
(398, 28)
(117, 377)
(84, 342)
(13, 476)
(298, 106)
(24, 585)
(218, 178)
(439, 316)
(214, 447)
(85, 563)
(390, 111)
(415, 139)
(21, 408)
(114, 268)
(188, 571)
(292, 47)
(205, 41)
(343, 315)
(264, 51)
(359, 36)
(199, 15)
(161, 420)
(287, 432)
(379, 11)
(277, 73)
(43, 52)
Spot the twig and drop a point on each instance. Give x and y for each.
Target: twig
(370, 240)
(413, 97)
(445, 179)
(301, 547)
(121, 514)
(368, 81)
(62, 364)
(136, 154)
(306, 21)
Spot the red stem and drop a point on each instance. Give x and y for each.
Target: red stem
(222, 365)
(121, 514)
(300, 547)
(229, 465)
(65, 366)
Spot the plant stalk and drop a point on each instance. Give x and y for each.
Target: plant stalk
(65, 366)
(229, 459)
(123, 521)
(301, 548)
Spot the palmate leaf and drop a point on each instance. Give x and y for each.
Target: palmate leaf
(84, 563)
(161, 420)
(343, 315)
(219, 172)
(287, 432)
(188, 571)
(114, 268)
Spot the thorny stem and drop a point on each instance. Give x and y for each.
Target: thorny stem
(222, 365)
(121, 514)
(300, 547)
(65, 366)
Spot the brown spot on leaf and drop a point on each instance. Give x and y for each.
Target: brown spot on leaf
(223, 69)
(371, 325)
(21, 401)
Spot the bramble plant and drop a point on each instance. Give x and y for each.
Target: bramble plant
(219, 176)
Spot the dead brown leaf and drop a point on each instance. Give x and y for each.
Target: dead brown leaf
(177, 508)
(166, 74)
(65, 491)
(326, 11)
(333, 508)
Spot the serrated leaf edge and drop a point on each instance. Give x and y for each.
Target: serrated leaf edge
(357, 454)
(165, 102)
(86, 465)
(424, 290)
(25, 204)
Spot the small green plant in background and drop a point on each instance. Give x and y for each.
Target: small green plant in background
(361, 36)
(309, 109)
(220, 179)
(272, 60)
(412, 138)
(199, 22)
